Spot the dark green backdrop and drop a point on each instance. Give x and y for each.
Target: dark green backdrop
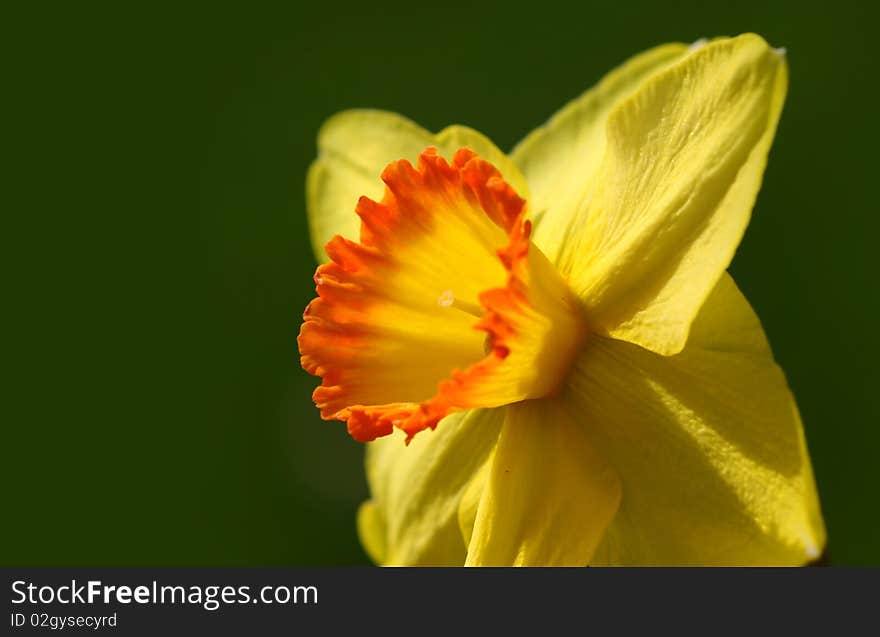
(159, 261)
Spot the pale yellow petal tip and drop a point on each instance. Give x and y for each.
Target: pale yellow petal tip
(371, 530)
(703, 42)
(698, 44)
(813, 543)
(812, 552)
(807, 535)
(815, 539)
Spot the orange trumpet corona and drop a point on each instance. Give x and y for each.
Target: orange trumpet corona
(392, 332)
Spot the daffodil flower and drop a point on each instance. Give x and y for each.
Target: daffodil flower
(544, 348)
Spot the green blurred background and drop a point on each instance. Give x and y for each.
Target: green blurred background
(158, 256)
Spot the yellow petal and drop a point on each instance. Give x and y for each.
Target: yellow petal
(355, 146)
(560, 159)
(708, 445)
(456, 136)
(548, 498)
(371, 531)
(353, 149)
(682, 168)
(417, 488)
(470, 501)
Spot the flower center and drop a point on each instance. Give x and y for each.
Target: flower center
(443, 305)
